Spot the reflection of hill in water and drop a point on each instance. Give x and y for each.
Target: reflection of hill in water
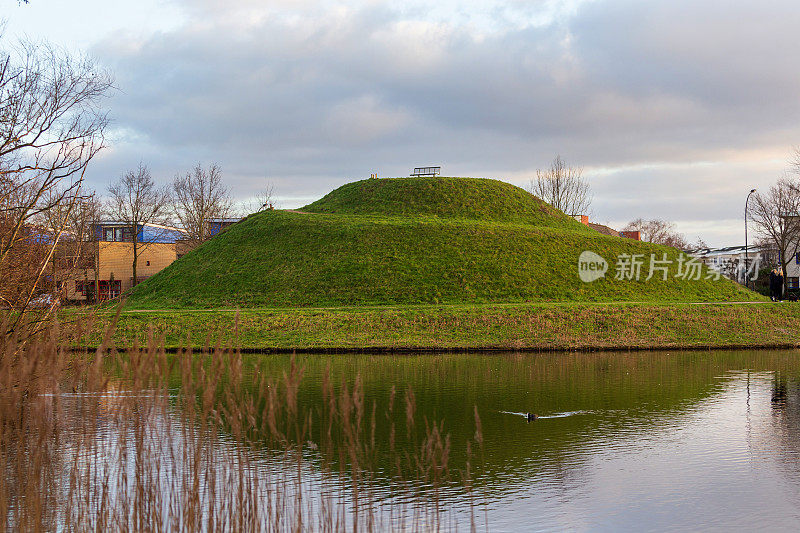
(779, 437)
(621, 396)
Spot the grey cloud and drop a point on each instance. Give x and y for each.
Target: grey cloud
(330, 95)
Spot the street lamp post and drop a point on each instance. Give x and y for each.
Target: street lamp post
(746, 257)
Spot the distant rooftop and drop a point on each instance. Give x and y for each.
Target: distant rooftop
(605, 230)
(730, 250)
(148, 224)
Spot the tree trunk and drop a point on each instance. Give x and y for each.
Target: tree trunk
(55, 282)
(96, 255)
(135, 255)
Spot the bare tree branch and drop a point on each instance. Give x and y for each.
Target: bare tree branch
(663, 232)
(563, 187)
(264, 200)
(136, 201)
(200, 197)
(776, 216)
(51, 127)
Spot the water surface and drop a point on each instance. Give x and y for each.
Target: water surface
(645, 441)
(642, 441)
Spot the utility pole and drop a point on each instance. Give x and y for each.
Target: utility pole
(746, 267)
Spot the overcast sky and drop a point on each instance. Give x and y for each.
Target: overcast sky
(674, 109)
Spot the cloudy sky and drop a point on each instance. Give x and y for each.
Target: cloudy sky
(674, 109)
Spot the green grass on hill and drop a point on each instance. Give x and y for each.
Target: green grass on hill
(451, 198)
(412, 241)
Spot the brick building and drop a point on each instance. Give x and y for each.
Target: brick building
(112, 252)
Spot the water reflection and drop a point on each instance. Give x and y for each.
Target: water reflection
(649, 441)
(646, 441)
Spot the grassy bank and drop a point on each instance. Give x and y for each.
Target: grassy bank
(512, 327)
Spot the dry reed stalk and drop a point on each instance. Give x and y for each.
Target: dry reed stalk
(137, 440)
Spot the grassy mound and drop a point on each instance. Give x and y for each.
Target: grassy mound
(379, 242)
(454, 198)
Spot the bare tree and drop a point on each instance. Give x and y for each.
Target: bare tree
(794, 161)
(83, 249)
(660, 231)
(136, 201)
(563, 187)
(264, 200)
(200, 197)
(51, 127)
(776, 216)
(56, 223)
(76, 251)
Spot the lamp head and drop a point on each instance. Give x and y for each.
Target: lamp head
(752, 191)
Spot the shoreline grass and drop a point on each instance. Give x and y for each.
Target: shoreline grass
(489, 327)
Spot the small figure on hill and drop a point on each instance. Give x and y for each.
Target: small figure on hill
(772, 284)
(775, 284)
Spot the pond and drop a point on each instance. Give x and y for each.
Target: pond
(646, 441)
(621, 441)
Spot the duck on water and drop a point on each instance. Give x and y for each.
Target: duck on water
(526, 416)
(533, 416)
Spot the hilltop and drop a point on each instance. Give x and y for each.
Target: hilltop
(451, 198)
(411, 241)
